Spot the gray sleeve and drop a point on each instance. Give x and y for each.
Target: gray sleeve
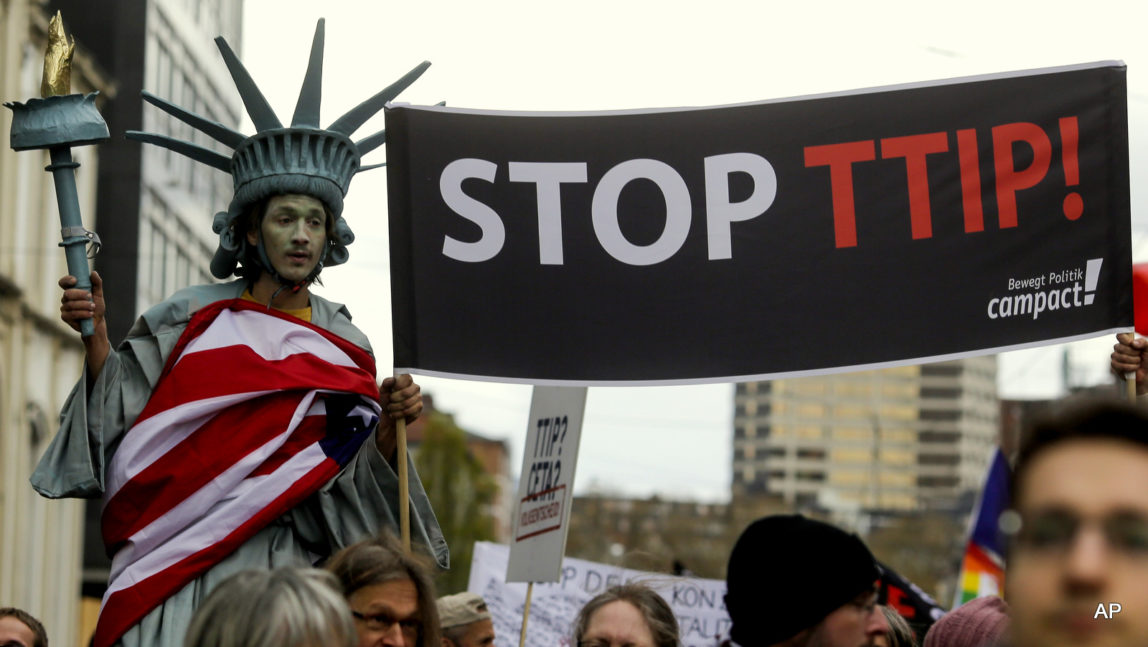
(93, 420)
(92, 423)
(363, 500)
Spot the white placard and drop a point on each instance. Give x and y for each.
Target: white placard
(546, 484)
(697, 603)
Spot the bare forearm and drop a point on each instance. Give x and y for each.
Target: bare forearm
(97, 347)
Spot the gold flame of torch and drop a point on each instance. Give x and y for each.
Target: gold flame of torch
(57, 79)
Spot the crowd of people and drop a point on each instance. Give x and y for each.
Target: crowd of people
(1076, 576)
(1078, 526)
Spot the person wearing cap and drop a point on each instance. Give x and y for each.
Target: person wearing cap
(981, 622)
(465, 621)
(239, 425)
(798, 582)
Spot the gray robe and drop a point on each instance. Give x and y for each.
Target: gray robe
(360, 501)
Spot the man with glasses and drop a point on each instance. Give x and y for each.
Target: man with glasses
(390, 592)
(1078, 560)
(797, 582)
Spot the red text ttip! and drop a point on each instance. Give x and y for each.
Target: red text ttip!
(915, 149)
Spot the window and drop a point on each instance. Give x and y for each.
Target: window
(852, 455)
(937, 481)
(940, 414)
(896, 457)
(854, 389)
(811, 410)
(898, 436)
(809, 432)
(807, 387)
(938, 459)
(939, 436)
(942, 370)
(852, 433)
(899, 389)
(898, 412)
(852, 411)
(937, 392)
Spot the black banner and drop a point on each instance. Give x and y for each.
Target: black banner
(823, 233)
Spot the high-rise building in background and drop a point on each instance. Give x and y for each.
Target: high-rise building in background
(40, 357)
(890, 440)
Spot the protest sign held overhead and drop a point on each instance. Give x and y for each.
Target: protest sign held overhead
(546, 488)
(834, 232)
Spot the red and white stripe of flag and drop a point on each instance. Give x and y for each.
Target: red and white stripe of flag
(228, 442)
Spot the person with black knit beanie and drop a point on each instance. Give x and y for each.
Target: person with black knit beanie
(797, 582)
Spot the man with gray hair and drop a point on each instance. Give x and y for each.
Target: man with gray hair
(465, 621)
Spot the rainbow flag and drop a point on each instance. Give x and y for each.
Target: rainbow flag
(982, 570)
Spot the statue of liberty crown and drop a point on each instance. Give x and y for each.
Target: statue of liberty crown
(302, 158)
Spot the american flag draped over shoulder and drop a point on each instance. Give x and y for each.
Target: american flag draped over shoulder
(255, 410)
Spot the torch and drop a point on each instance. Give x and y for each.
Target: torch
(57, 122)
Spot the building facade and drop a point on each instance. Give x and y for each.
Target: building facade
(40, 357)
(663, 536)
(896, 439)
(152, 208)
(157, 206)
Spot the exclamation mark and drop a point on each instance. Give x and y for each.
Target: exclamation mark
(1069, 136)
(1091, 276)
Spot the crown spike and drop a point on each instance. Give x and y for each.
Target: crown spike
(368, 144)
(258, 109)
(187, 149)
(213, 129)
(311, 94)
(359, 115)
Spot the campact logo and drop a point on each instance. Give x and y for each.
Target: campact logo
(1056, 290)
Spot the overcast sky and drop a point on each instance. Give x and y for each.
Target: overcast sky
(598, 55)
